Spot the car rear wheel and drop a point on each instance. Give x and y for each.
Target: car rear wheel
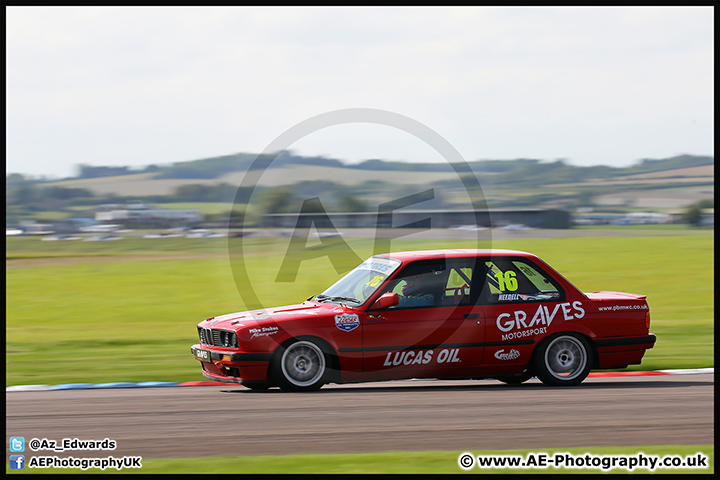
(300, 366)
(563, 360)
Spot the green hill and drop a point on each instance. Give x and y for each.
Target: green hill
(655, 184)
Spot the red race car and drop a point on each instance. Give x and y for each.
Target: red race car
(449, 314)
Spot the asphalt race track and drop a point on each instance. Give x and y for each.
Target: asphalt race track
(391, 416)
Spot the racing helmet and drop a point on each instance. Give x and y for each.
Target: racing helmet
(414, 285)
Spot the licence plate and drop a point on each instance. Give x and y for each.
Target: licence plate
(202, 355)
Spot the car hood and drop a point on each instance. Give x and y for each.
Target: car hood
(232, 321)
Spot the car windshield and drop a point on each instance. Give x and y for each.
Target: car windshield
(358, 285)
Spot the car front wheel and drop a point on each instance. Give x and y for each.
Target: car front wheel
(256, 385)
(300, 366)
(563, 360)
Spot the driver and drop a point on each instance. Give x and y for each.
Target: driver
(415, 292)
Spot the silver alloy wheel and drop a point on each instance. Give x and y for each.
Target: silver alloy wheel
(303, 364)
(565, 358)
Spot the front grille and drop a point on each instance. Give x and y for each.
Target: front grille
(217, 338)
(205, 336)
(221, 338)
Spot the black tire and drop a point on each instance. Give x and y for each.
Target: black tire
(300, 366)
(256, 385)
(563, 360)
(516, 379)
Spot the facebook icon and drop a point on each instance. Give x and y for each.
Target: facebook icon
(17, 462)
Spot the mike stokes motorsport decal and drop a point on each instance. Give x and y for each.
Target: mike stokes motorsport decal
(518, 325)
(347, 321)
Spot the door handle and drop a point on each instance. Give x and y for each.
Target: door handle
(472, 315)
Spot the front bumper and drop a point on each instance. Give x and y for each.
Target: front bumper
(232, 367)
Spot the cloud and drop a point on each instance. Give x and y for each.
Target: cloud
(141, 85)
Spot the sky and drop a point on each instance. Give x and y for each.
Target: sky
(135, 86)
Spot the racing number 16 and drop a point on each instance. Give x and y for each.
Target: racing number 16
(507, 281)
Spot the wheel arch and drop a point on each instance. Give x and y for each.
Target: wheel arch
(541, 370)
(568, 327)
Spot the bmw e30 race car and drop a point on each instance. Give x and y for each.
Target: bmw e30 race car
(448, 314)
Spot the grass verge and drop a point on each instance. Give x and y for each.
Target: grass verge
(430, 462)
(105, 321)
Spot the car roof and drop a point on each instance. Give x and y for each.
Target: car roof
(453, 253)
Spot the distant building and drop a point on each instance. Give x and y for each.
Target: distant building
(636, 218)
(31, 227)
(707, 217)
(535, 218)
(149, 215)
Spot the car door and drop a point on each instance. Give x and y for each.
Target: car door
(440, 339)
(519, 302)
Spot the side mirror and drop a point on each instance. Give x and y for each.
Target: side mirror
(386, 300)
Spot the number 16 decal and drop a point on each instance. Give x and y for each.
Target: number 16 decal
(506, 281)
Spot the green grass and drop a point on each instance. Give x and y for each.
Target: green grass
(107, 317)
(112, 318)
(30, 247)
(430, 462)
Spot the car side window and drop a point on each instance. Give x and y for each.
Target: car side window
(511, 280)
(420, 285)
(434, 284)
(459, 282)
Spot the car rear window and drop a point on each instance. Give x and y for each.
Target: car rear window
(518, 280)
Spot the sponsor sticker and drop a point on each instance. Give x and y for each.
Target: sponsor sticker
(263, 332)
(543, 316)
(376, 318)
(381, 265)
(511, 355)
(347, 321)
(422, 357)
(508, 296)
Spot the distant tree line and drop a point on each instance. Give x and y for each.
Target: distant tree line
(491, 172)
(693, 214)
(25, 195)
(499, 172)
